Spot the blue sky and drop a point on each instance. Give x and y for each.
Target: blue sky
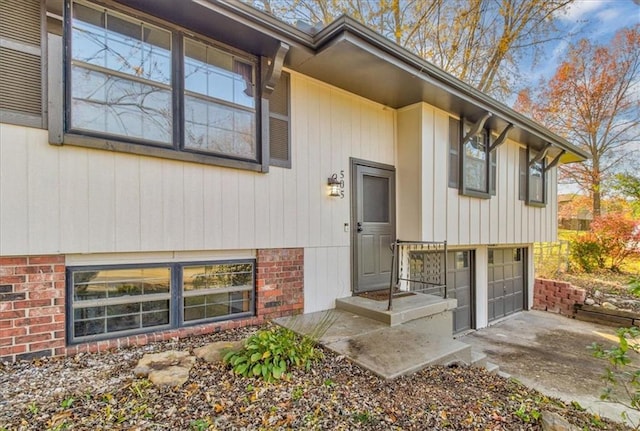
(597, 20)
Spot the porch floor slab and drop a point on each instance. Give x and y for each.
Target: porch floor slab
(388, 351)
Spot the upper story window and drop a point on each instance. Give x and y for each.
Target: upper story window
(219, 101)
(472, 167)
(142, 86)
(532, 178)
(121, 77)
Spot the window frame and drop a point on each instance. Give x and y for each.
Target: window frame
(175, 297)
(464, 189)
(62, 134)
(524, 174)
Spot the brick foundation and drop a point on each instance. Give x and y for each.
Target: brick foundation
(32, 305)
(557, 296)
(280, 282)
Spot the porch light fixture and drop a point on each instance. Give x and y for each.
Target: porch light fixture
(334, 186)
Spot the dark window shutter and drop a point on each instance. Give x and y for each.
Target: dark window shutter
(493, 177)
(523, 169)
(454, 153)
(21, 90)
(279, 120)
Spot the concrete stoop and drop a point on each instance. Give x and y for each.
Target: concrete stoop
(414, 335)
(405, 309)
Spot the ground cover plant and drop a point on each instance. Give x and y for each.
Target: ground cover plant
(99, 391)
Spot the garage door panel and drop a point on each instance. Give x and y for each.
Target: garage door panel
(506, 288)
(459, 287)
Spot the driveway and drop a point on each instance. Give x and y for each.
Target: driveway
(548, 352)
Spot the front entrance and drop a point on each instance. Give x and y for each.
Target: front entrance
(506, 282)
(373, 221)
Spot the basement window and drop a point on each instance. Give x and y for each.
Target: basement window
(114, 301)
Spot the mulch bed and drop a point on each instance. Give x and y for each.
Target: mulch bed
(99, 391)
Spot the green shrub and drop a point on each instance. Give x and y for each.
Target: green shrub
(587, 253)
(271, 353)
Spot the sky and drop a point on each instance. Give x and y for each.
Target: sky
(597, 20)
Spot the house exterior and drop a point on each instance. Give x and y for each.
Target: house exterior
(167, 171)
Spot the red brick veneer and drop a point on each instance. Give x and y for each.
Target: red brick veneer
(557, 296)
(32, 305)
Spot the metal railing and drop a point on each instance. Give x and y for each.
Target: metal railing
(418, 266)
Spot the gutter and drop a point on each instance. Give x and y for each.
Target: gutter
(423, 69)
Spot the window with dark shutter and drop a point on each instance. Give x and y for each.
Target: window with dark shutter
(279, 132)
(493, 158)
(21, 89)
(454, 151)
(522, 189)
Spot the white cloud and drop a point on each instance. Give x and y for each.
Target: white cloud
(582, 9)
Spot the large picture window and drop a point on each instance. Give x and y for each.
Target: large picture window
(138, 82)
(107, 302)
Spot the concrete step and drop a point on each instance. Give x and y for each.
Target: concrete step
(388, 351)
(478, 359)
(405, 309)
(492, 368)
(396, 351)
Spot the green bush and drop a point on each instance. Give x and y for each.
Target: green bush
(587, 253)
(272, 353)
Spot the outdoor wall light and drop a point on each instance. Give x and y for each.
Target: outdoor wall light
(334, 185)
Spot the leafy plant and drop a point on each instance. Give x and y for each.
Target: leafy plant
(200, 424)
(33, 408)
(527, 414)
(271, 353)
(67, 402)
(297, 394)
(620, 373)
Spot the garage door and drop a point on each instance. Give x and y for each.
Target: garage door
(423, 266)
(459, 284)
(506, 282)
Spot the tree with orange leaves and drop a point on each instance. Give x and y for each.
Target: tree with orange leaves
(593, 100)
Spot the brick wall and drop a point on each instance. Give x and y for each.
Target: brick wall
(557, 296)
(32, 305)
(280, 282)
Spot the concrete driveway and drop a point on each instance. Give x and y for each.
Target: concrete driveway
(548, 352)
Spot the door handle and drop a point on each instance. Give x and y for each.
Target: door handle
(359, 227)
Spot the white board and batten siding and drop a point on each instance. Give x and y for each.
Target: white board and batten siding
(110, 206)
(442, 214)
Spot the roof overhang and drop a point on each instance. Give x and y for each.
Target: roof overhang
(351, 56)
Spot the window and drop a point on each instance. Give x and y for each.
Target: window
(107, 302)
(144, 87)
(532, 187)
(472, 167)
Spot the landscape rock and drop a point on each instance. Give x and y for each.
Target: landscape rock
(597, 294)
(170, 368)
(554, 422)
(589, 301)
(609, 306)
(214, 352)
